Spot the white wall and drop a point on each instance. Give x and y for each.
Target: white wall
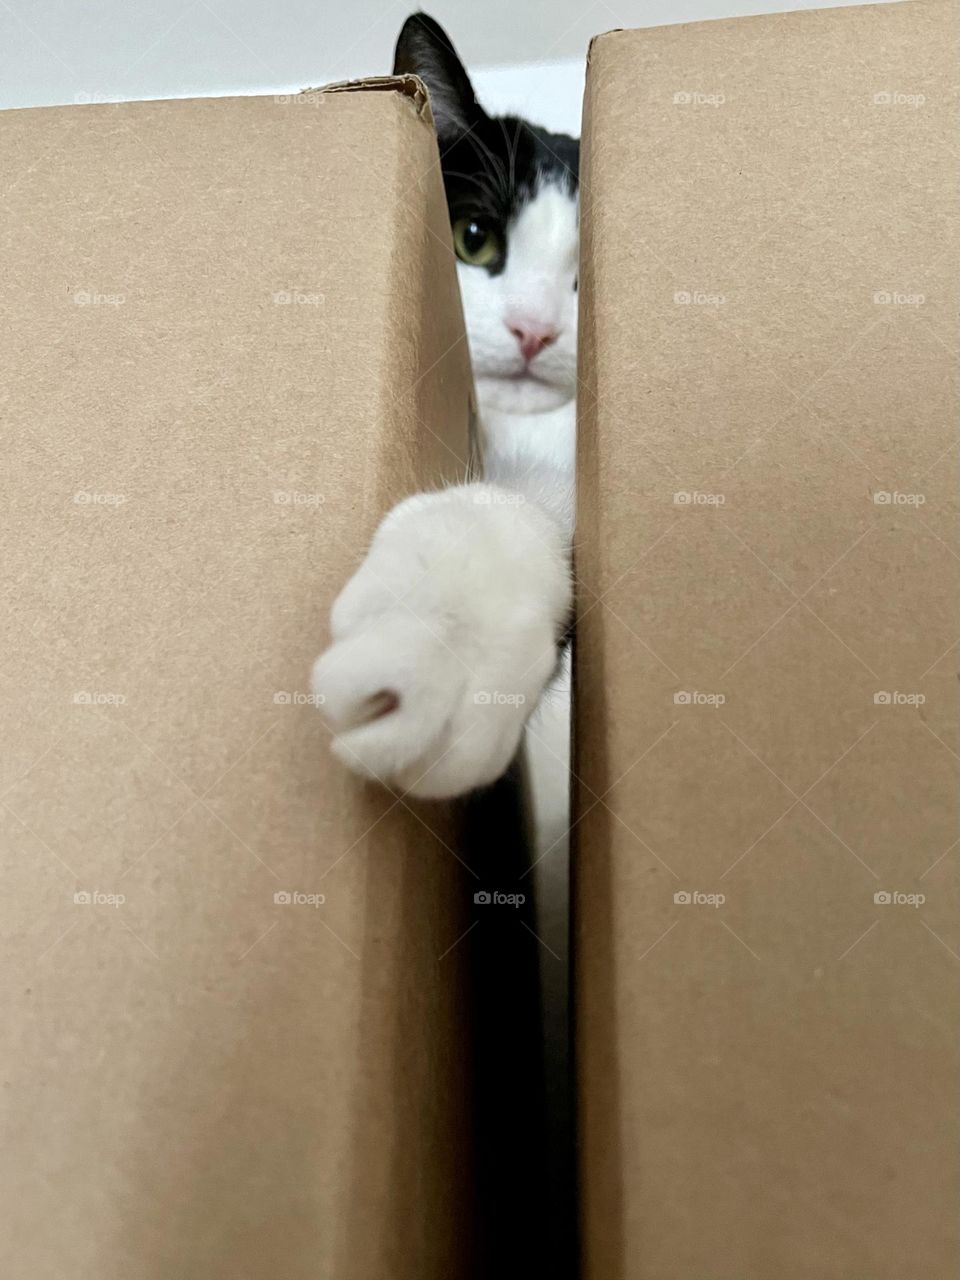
(548, 93)
(52, 51)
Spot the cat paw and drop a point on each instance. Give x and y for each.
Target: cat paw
(444, 639)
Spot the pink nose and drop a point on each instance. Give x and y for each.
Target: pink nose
(532, 337)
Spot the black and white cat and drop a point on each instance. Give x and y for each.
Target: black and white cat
(447, 635)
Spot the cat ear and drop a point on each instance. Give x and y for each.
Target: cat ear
(424, 49)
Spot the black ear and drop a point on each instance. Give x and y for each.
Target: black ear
(424, 49)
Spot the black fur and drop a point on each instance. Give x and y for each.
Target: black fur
(492, 165)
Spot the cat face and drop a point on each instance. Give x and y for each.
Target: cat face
(512, 194)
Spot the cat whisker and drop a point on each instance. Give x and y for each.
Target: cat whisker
(497, 169)
(511, 148)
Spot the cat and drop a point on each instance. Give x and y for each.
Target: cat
(446, 637)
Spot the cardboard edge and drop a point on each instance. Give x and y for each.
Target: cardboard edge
(602, 35)
(408, 86)
(729, 19)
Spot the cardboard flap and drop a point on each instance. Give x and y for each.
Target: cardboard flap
(409, 86)
(767, 900)
(232, 1048)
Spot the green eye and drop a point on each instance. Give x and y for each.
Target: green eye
(475, 243)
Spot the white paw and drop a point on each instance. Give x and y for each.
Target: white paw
(444, 639)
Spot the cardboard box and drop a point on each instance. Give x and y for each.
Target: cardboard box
(766, 690)
(234, 339)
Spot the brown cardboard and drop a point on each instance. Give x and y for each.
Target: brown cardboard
(233, 339)
(769, 1087)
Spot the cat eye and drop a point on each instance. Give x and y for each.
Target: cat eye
(475, 243)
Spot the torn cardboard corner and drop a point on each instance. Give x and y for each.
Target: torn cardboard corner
(409, 86)
(766, 898)
(600, 36)
(231, 1044)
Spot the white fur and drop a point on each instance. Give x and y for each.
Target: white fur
(537, 282)
(456, 612)
(446, 636)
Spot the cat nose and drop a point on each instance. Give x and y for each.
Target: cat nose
(532, 337)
